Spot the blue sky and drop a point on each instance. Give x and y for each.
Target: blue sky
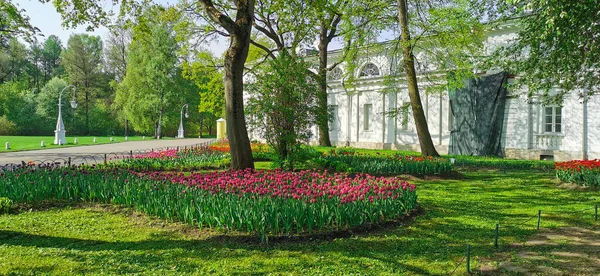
(45, 17)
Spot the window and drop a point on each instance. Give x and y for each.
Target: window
(369, 70)
(367, 109)
(553, 119)
(405, 116)
(333, 119)
(335, 74)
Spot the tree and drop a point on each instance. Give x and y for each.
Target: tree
(239, 33)
(47, 102)
(204, 73)
(117, 42)
(557, 46)
(51, 57)
(448, 29)
(13, 24)
(354, 21)
(82, 60)
(13, 61)
(282, 104)
(149, 89)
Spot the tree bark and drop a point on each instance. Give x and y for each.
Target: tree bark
(201, 121)
(425, 142)
(235, 58)
(159, 126)
(239, 42)
(323, 109)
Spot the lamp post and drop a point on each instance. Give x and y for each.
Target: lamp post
(180, 131)
(59, 133)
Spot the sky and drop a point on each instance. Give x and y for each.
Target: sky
(47, 19)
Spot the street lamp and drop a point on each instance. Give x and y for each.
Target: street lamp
(180, 131)
(59, 133)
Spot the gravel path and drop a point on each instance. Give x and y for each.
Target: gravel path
(84, 154)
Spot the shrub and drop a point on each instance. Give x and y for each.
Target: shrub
(5, 205)
(283, 105)
(7, 127)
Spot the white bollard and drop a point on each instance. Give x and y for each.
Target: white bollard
(94, 139)
(7, 145)
(126, 138)
(111, 139)
(42, 144)
(75, 141)
(143, 137)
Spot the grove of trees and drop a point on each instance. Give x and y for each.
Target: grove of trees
(113, 98)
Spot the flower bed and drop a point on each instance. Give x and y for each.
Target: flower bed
(383, 164)
(263, 202)
(169, 160)
(260, 151)
(581, 172)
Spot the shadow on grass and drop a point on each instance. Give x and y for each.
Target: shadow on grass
(455, 213)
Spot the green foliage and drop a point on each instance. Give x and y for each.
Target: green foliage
(500, 163)
(185, 160)
(383, 165)
(47, 100)
(13, 61)
(96, 239)
(5, 205)
(581, 172)
(14, 23)
(242, 210)
(556, 47)
(153, 89)
(282, 106)
(51, 58)
(209, 80)
(7, 127)
(82, 60)
(301, 157)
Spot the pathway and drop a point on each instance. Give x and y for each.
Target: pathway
(562, 251)
(79, 153)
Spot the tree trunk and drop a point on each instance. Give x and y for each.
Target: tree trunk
(235, 58)
(158, 127)
(323, 109)
(427, 147)
(201, 120)
(87, 114)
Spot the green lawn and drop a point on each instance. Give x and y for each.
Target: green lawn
(21, 143)
(94, 239)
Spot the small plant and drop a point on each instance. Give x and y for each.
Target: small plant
(5, 205)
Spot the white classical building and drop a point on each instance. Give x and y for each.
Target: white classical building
(528, 130)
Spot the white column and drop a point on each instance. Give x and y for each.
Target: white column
(584, 142)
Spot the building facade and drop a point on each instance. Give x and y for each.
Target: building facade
(376, 114)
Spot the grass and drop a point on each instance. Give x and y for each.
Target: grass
(463, 161)
(93, 239)
(22, 143)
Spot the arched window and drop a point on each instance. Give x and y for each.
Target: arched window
(370, 70)
(335, 74)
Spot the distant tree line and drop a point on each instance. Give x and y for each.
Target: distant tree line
(132, 83)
